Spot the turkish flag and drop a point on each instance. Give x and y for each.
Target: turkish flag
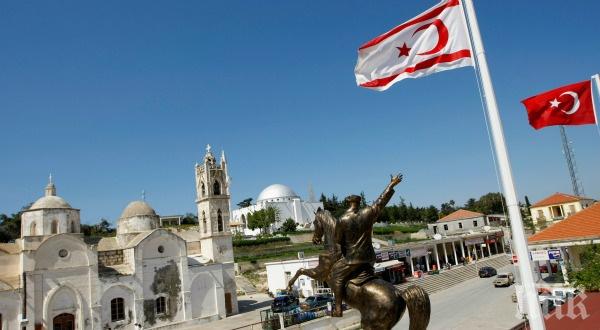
(434, 41)
(567, 105)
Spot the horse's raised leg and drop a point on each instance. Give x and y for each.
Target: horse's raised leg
(316, 273)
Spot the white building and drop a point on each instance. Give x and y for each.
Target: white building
(289, 204)
(279, 273)
(557, 207)
(144, 277)
(460, 221)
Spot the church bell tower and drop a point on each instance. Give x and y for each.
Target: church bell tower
(213, 201)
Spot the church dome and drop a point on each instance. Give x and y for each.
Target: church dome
(138, 217)
(50, 202)
(276, 191)
(137, 208)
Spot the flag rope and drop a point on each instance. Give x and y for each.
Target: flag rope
(496, 169)
(490, 142)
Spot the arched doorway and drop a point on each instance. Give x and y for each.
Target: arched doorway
(64, 321)
(204, 296)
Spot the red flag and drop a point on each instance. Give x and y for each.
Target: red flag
(567, 105)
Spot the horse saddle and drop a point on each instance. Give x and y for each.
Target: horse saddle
(363, 275)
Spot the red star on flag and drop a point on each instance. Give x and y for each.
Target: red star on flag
(403, 50)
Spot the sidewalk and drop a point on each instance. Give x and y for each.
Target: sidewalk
(249, 313)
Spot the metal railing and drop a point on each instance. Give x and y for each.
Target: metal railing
(274, 321)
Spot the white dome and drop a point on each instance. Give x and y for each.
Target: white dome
(50, 202)
(275, 191)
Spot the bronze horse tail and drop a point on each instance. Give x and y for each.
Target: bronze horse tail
(418, 305)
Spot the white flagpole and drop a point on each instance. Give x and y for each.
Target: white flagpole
(520, 244)
(596, 78)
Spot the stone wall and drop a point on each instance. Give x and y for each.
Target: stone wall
(301, 238)
(109, 258)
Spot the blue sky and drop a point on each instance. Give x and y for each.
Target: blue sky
(114, 98)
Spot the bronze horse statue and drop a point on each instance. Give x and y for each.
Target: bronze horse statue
(380, 303)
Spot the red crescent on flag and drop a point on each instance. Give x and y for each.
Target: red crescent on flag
(442, 36)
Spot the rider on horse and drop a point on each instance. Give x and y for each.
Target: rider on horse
(353, 234)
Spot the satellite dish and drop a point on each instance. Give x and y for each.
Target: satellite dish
(486, 228)
(437, 236)
(471, 231)
(376, 245)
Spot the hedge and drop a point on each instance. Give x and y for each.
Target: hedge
(259, 241)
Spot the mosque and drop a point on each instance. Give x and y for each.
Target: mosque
(283, 198)
(145, 277)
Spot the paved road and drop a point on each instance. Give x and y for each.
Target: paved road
(473, 304)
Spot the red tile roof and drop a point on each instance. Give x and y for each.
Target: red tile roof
(580, 313)
(558, 198)
(583, 224)
(460, 215)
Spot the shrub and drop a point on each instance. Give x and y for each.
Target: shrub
(259, 241)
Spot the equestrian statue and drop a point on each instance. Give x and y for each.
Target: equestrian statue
(347, 266)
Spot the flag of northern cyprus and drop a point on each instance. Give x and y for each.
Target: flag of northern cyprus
(434, 41)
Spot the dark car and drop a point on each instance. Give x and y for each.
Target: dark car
(284, 303)
(316, 301)
(487, 272)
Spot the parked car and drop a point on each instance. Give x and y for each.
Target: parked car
(316, 301)
(487, 272)
(514, 297)
(284, 303)
(513, 259)
(505, 279)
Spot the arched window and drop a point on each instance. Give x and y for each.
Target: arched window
(244, 219)
(216, 188)
(54, 227)
(161, 305)
(204, 221)
(33, 229)
(219, 221)
(73, 226)
(203, 189)
(117, 310)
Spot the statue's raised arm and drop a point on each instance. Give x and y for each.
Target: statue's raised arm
(385, 197)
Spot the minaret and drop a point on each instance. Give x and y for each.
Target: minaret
(224, 168)
(212, 199)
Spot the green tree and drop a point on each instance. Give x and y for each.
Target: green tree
(431, 214)
(245, 203)
(490, 203)
(10, 226)
(102, 228)
(384, 216)
(527, 207)
(394, 213)
(189, 219)
(471, 204)
(588, 277)
(289, 225)
(262, 219)
(363, 200)
(447, 208)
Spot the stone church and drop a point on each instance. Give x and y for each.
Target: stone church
(143, 278)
